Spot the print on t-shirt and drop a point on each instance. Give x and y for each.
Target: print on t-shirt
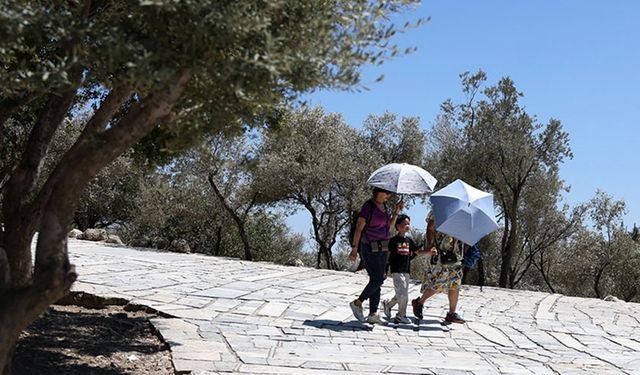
(404, 248)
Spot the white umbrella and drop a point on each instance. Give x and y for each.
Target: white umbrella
(463, 212)
(403, 178)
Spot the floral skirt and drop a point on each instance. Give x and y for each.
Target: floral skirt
(442, 278)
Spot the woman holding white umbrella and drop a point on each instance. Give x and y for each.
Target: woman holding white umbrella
(371, 240)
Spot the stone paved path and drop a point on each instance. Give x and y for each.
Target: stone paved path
(260, 318)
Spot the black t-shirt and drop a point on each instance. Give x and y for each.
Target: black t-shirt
(401, 251)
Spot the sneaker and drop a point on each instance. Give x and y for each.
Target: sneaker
(401, 319)
(453, 317)
(386, 306)
(417, 308)
(357, 311)
(374, 319)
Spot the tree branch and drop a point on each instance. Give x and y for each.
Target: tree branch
(240, 221)
(92, 152)
(107, 110)
(252, 202)
(24, 177)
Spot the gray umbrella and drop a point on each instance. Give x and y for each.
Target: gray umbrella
(403, 178)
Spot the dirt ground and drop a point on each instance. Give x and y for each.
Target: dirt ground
(78, 340)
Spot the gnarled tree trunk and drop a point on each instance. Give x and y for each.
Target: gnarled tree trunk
(24, 295)
(508, 250)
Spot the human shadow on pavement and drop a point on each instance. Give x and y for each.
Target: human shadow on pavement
(422, 325)
(354, 325)
(336, 325)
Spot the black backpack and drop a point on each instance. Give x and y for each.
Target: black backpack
(352, 228)
(355, 214)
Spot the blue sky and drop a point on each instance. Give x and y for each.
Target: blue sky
(576, 61)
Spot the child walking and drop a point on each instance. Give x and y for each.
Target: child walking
(401, 250)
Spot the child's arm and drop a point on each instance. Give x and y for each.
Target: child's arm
(421, 251)
(430, 239)
(433, 251)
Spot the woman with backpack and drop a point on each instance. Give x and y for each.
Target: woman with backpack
(371, 241)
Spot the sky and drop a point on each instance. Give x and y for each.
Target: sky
(575, 61)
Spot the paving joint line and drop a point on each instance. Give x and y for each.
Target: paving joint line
(230, 348)
(588, 353)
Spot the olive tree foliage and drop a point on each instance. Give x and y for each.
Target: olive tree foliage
(309, 163)
(109, 197)
(175, 207)
(133, 62)
(177, 204)
(393, 140)
(491, 142)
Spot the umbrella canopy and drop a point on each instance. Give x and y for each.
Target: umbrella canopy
(463, 212)
(403, 178)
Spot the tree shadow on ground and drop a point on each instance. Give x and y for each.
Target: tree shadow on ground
(73, 340)
(47, 358)
(118, 333)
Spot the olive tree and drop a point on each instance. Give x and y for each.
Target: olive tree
(493, 143)
(547, 242)
(161, 67)
(310, 162)
(225, 163)
(614, 256)
(176, 204)
(546, 225)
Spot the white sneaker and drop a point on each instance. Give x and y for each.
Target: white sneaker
(357, 311)
(401, 319)
(374, 319)
(386, 307)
